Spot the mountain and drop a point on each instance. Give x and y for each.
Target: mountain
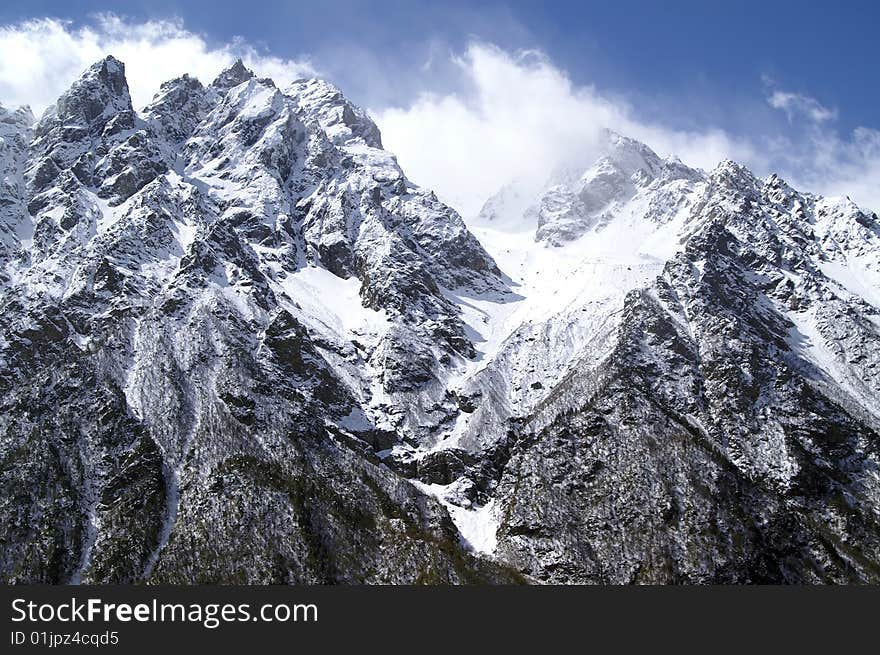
(229, 303)
(238, 345)
(693, 379)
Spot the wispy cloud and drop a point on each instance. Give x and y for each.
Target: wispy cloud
(40, 58)
(797, 104)
(820, 158)
(520, 117)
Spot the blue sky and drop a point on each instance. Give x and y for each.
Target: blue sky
(828, 50)
(776, 80)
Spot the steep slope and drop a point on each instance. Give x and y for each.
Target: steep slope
(574, 253)
(15, 135)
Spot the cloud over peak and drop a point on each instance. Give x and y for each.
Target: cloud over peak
(519, 117)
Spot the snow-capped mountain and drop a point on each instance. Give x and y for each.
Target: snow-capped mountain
(692, 377)
(238, 345)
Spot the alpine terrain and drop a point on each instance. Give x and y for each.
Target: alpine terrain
(238, 345)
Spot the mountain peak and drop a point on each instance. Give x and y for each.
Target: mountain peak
(629, 154)
(100, 93)
(339, 118)
(110, 72)
(177, 108)
(233, 76)
(734, 174)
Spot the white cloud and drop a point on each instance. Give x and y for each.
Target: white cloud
(795, 104)
(40, 58)
(822, 160)
(515, 115)
(520, 117)
(838, 166)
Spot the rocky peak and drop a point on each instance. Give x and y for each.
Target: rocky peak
(573, 201)
(233, 76)
(342, 121)
(631, 157)
(91, 135)
(734, 175)
(178, 108)
(625, 169)
(175, 93)
(95, 99)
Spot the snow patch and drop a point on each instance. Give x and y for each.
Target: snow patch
(857, 279)
(478, 525)
(333, 302)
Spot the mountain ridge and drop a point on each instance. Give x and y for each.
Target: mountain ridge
(239, 345)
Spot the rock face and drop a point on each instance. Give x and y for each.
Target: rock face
(15, 136)
(238, 345)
